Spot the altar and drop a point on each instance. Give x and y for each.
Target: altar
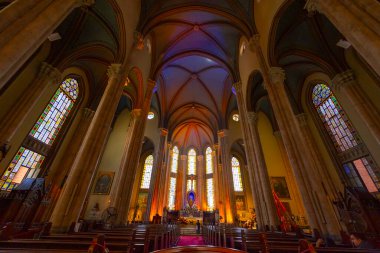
(190, 214)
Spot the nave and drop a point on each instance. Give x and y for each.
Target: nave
(140, 119)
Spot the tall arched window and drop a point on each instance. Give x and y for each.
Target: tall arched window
(209, 180)
(236, 175)
(359, 171)
(27, 163)
(147, 173)
(191, 170)
(173, 178)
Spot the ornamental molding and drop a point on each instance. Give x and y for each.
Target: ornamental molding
(51, 73)
(277, 75)
(114, 71)
(312, 6)
(344, 79)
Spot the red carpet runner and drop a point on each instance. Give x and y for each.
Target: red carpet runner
(190, 240)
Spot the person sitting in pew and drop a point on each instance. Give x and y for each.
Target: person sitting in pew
(321, 242)
(359, 241)
(98, 245)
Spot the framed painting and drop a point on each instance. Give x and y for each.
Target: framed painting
(103, 182)
(280, 187)
(240, 203)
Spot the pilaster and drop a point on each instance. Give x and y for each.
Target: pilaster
(84, 168)
(346, 84)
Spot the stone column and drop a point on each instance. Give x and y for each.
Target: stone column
(165, 174)
(321, 182)
(130, 159)
(117, 185)
(294, 192)
(167, 168)
(32, 32)
(228, 198)
(201, 183)
(181, 184)
(15, 118)
(346, 84)
(362, 37)
(365, 10)
(274, 84)
(262, 216)
(263, 171)
(86, 162)
(57, 177)
(158, 176)
(215, 176)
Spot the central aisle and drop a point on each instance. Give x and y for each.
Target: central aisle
(187, 240)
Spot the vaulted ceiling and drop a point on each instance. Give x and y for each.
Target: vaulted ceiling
(194, 51)
(304, 43)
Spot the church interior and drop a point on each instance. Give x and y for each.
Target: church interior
(225, 119)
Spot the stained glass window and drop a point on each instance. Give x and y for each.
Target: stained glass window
(236, 175)
(56, 112)
(210, 180)
(210, 193)
(359, 172)
(191, 185)
(26, 163)
(174, 166)
(172, 186)
(333, 118)
(366, 174)
(147, 173)
(191, 162)
(209, 161)
(171, 203)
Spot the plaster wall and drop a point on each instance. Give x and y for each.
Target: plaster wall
(110, 161)
(275, 162)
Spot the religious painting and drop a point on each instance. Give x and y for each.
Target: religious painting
(143, 200)
(191, 198)
(280, 187)
(240, 203)
(103, 182)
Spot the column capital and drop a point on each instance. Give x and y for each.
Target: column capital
(85, 2)
(138, 40)
(183, 157)
(252, 117)
(237, 85)
(135, 113)
(254, 42)
(163, 131)
(277, 134)
(222, 133)
(302, 119)
(114, 71)
(88, 113)
(343, 79)
(151, 85)
(199, 158)
(50, 72)
(312, 6)
(277, 75)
